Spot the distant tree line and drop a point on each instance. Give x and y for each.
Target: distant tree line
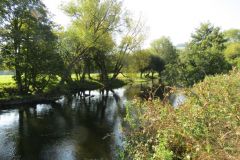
(209, 52)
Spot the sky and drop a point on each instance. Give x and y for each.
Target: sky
(176, 19)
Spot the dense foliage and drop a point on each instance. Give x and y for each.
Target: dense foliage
(206, 126)
(96, 26)
(28, 44)
(154, 59)
(103, 38)
(103, 41)
(98, 39)
(232, 52)
(204, 55)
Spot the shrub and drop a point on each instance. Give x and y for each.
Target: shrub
(206, 126)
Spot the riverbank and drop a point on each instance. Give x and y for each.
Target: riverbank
(7, 103)
(9, 96)
(53, 93)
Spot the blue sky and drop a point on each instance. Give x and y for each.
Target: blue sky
(176, 19)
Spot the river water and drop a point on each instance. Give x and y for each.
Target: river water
(84, 126)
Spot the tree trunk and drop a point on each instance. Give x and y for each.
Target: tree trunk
(89, 72)
(152, 74)
(83, 76)
(66, 77)
(77, 77)
(19, 80)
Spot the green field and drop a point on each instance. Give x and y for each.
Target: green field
(6, 79)
(7, 83)
(8, 87)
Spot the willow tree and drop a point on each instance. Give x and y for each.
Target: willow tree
(96, 24)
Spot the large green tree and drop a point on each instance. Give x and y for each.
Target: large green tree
(202, 56)
(139, 61)
(96, 26)
(28, 44)
(93, 22)
(164, 48)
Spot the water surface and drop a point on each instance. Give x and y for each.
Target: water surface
(84, 126)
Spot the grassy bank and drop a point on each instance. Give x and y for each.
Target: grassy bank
(8, 91)
(7, 87)
(206, 126)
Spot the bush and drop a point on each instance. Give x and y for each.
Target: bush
(206, 126)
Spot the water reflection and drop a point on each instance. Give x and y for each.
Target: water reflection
(177, 99)
(86, 125)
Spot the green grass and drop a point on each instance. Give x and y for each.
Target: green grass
(6, 79)
(8, 86)
(127, 77)
(134, 77)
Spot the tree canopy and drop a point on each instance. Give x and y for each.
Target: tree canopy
(28, 44)
(95, 27)
(103, 38)
(203, 56)
(164, 48)
(232, 35)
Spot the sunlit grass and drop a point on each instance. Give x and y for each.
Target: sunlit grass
(6, 81)
(8, 85)
(133, 77)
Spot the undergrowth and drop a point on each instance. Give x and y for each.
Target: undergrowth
(206, 126)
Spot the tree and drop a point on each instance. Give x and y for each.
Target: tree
(156, 64)
(28, 44)
(203, 56)
(68, 47)
(139, 61)
(164, 48)
(232, 35)
(232, 53)
(131, 41)
(207, 37)
(93, 22)
(163, 53)
(95, 25)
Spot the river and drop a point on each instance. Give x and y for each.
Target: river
(83, 126)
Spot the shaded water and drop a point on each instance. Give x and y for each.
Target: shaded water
(78, 127)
